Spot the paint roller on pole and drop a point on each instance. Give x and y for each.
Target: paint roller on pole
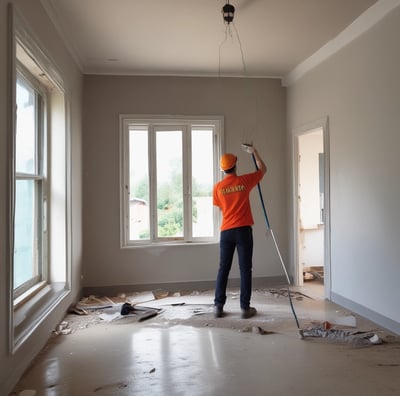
(250, 149)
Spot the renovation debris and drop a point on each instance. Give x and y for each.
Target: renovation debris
(196, 309)
(285, 293)
(307, 276)
(358, 337)
(160, 294)
(142, 297)
(93, 303)
(78, 311)
(375, 339)
(326, 325)
(199, 311)
(256, 330)
(63, 328)
(190, 299)
(313, 272)
(109, 317)
(143, 313)
(127, 310)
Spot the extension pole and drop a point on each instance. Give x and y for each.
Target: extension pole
(277, 249)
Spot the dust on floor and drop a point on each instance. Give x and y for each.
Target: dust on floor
(319, 319)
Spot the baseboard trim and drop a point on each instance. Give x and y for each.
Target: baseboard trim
(367, 313)
(177, 286)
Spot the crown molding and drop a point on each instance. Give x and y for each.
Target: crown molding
(364, 22)
(57, 22)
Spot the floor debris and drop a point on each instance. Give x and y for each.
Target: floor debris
(142, 297)
(284, 292)
(184, 346)
(357, 337)
(63, 328)
(93, 302)
(128, 311)
(196, 309)
(78, 311)
(256, 330)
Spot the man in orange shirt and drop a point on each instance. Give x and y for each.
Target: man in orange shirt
(232, 196)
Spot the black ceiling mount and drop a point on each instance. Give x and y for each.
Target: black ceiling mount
(228, 11)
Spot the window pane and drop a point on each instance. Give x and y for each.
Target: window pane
(25, 140)
(25, 237)
(139, 211)
(202, 183)
(169, 184)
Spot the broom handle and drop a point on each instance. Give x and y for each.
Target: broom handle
(277, 250)
(261, 196)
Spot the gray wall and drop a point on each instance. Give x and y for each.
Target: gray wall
(253, 109)
(358, 88)
(12, 366)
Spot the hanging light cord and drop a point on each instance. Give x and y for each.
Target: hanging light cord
(219, 51)
(228, 32)
(241, 50)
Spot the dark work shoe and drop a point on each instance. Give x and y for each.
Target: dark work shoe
(248, 313)
(218, 311)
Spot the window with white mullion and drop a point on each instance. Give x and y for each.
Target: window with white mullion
(187, 185)
(169, 182)
(204, 173)
(29, 233)
(152, 169)
(136, 182)
(39, 200)
(169, 167)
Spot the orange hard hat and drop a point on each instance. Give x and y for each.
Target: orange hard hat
(228, 161)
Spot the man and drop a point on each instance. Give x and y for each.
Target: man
(231, 195)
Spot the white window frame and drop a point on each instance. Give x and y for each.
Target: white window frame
(29, 309)
(39, 177)
(154, 122)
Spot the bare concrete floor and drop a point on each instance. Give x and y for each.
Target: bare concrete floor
(184, 350)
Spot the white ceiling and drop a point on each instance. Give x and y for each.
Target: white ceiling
(189, 37)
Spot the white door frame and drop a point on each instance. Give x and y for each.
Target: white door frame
(298, 275)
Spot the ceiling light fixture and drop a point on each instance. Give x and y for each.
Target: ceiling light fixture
(228, 12)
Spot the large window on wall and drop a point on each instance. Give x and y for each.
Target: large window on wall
(30, 237)
(40, 185)
(168, 169)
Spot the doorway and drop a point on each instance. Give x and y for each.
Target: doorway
(311, 207)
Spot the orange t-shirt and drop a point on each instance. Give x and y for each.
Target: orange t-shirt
(232, 195)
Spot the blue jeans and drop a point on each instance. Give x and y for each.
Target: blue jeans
(240, 238)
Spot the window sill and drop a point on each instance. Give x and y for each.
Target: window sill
(169, 244)
(31, 310)
(25, 297)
